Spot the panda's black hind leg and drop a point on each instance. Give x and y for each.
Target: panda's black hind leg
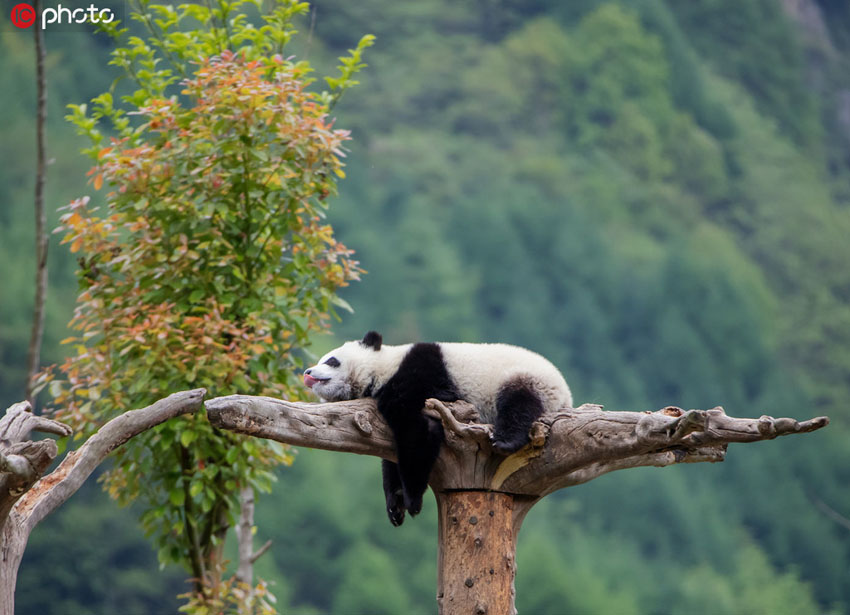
(393, 491)
(517, 407)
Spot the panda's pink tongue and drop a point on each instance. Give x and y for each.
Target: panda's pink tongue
(309, 381)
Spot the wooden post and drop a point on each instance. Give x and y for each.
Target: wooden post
(476, 563)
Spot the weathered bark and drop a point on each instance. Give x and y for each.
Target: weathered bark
(475, 562)
(345, 426)
(25, 461)
(244, 536)
(470, 479)
(245, 546)
(26, 498)
(41, 237)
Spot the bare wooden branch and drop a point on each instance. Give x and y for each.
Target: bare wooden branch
(261, 551)
(63, 482)
(24, 502)
(452, 423)
(345, 426)
(15, 464)
(586, 442)
(19, 422)
(23, 461)
(568, 448)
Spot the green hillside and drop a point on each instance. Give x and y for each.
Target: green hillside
(655, 194)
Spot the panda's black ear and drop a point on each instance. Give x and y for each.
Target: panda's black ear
(372, 340)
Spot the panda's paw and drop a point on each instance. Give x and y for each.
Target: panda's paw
(504, 447)
(395, 509)
(413, 504)
(396, 515)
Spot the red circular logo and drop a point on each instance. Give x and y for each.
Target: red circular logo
(23, 15)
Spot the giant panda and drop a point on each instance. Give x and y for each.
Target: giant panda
(510, 386)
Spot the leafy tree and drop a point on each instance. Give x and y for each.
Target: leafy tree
(211, 263)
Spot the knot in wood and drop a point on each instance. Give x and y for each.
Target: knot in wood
(361, 420)
(766, 426)
(539, 433)
(469, 582)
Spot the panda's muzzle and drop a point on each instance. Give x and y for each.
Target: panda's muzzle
(309, 380)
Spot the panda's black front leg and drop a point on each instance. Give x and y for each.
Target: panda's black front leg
(418, 447)
(393, 491)
(417, 442)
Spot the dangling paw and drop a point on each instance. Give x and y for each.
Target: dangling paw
(395, 508)
(413, 504)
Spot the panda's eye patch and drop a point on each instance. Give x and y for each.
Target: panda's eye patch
(333, 362)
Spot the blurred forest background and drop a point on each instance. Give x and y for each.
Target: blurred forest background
(655, 194)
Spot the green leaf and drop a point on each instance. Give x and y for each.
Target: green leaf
(339, 301)
(195, 488)
(187, 437)
(177, 496)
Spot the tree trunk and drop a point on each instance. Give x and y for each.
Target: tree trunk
(476, 560)
(14, 542)
(245, 537)
(41, 238)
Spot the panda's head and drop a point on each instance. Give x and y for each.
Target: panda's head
(347, 372)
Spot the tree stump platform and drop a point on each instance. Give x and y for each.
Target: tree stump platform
(483, 496)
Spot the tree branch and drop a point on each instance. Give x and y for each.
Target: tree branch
(19, 422)
(586, 442)
(261, 551)
(41, 237)
(476, 432)
(345, 426)
(23, 462)
(568, 448)
(55, 488)
(16, 465)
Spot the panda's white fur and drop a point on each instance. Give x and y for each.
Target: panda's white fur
(478, 371)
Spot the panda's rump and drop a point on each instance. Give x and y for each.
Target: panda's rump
(482, 371)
